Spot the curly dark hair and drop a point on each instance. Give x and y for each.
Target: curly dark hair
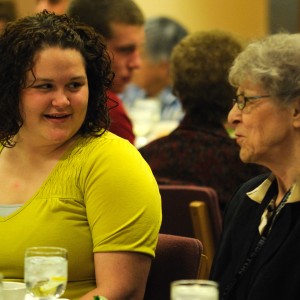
(19, 43)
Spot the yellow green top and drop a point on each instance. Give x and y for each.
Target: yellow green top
(100, 197)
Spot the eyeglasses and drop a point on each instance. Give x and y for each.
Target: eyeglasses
(242, 100)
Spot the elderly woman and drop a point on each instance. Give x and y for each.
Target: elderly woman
(199, 150)
(258, 256)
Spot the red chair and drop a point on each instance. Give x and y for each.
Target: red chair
(175, 208)
(192, 211)
(176, 258)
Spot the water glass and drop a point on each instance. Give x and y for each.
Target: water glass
(144, 114)
(46, 272)
(194, 290)
(13, 290)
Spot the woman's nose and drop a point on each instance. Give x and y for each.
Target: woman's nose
(60, 99)
(136, 60)
(234, 115)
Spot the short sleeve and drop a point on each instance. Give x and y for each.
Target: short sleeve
(122, 198)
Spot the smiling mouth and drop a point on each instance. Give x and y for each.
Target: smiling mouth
(56, 116)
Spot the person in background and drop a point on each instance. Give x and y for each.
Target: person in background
(57, 6)
(199, 150)
(65, 180)
(8, 13)
(121, 22)
(152, 80)
(258, 253)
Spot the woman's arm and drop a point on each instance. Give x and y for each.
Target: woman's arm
(120, 275)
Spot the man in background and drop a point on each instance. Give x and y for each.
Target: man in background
(57, 6)
(121, 22)
(7, 12)
(152, 80)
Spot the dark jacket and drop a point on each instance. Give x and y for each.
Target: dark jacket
(275, 272)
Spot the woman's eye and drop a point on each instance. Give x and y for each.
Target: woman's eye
(75, 85)
(45, 86)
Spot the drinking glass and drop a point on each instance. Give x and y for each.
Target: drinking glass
(1, 287)
(144, 114)
(46, 272)
(194, 290)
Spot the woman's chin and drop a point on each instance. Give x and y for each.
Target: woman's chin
(247, 156)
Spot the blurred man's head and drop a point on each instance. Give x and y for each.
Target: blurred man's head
(121, 23)
(7, 12)
(162, 35)
(57, 6)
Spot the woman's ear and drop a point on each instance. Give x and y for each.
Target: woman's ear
(296, 113)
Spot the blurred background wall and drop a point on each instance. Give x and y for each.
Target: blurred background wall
(246, 18)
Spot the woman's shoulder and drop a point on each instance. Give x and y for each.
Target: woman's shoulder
(107, 146)
(107, 140)
(238, 198)
(252, 183)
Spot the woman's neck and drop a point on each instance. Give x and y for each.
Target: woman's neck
(31, 151)
(285, 183)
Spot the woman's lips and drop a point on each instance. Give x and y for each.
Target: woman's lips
(239, 138)
(57, 117)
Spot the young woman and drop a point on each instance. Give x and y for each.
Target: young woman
(64, 179)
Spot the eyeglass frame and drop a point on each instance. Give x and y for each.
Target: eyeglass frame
(241, 105)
